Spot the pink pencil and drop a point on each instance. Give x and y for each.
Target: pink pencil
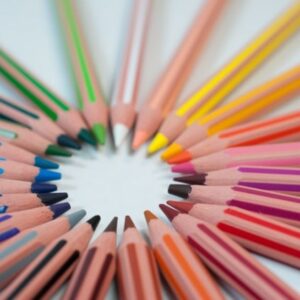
(46, 274)
(229, 260)
(184, 272)
(285, 154)
(96, 268)
(257, 233)
(125, 95)
(137, 272)
(19, 251)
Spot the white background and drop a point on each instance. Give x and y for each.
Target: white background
(119, 182)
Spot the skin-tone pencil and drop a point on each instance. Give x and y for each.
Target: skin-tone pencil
(37, 121)
(255, 232)
(18, 171)
(184, 272)
(285, 154)
(229, 77)
(171, 82)
(228, 260)
(18, 154)
(45, 275)
(136, 269)
(8, 186)
(284, 128)
(44, 98)
(96, 267)
(25, 138)
(125, 93)
(283, 179)
(284, 208)
(20, 250)
(91, 100)
(17, 202)
(275, 92)
(13, 223)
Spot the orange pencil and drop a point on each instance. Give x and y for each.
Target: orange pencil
(96, 268)
(46, 274)
(137, 272)
(170, 84)
(184, 272)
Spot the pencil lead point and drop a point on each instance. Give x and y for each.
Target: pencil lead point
(51, 198)
(94, 221)
(140, 137)
(179, 158)
(180, 190)
(192, 179)
(168, 211)
(171, 151)
(112, 226)
(128, 223)
(186, 168)
(120, 132)
(157, 143)
(85, 136)
(184, 207)
(149, 216)
(57, 150)
(99, 132)
(66, 141)
(41, 162)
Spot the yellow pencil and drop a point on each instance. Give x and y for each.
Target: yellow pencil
(229, 77)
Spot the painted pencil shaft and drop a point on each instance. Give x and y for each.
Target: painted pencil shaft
(46, 274)
(37, 121)
(277, 91)
(125, 94)
(44, 98)
(170, 84)
(280, 129)
(220, 85)
(8, 186)
(229, 260)
(184, 272)
(91, 101)
(20, 250)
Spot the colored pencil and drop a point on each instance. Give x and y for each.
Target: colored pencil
(18, 171)
(220, 85)
(18, 154)
(91, 100)
(16, 202)
(46, 274)
(172, 80)
(20, 250)
(255, 232)
(285, 180)
(284, 128)
(96, 267)
(25, 138)
(228, 260)
(184, 272)
(8, 186)
(37, 121)
(44, 98)
(136, 270)
(125, 94)
(285, 154)
(274, 92)
(13, 223)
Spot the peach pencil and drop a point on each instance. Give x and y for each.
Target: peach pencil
(12, 224)
(286, 180)
(18, 171)
(255, 232)
(282, 207)
(96, 267)
(281, 155)
(185, 273)
(125, 93)
(17, 202)
(18, 154)
(8, 186)
(37, 121)
(285, 128)
(171, 82)
(45, 275)
(229, 77)
(25, 138)
(20, 250)
(228, 260)
(274, 92)
(137, 272)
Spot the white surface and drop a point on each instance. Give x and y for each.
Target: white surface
(119, 182)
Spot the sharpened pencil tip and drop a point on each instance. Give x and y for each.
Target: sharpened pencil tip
(85, 136)
(140, 137)
(47, 175)
(43, 188)
(182, 157)
(94, 221)
(171, 151)
(185, 206)
(149, 216)
(180, 190)
(99, 132)
(66, 141)
(58, 151)
(192, 179)
(112, 226)
(168, 211)
(128, 223)
(186, 168)
(59, 208)
(75, 217)
(120, 132)
(51, 198)
(159, 141)
(45, 163)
